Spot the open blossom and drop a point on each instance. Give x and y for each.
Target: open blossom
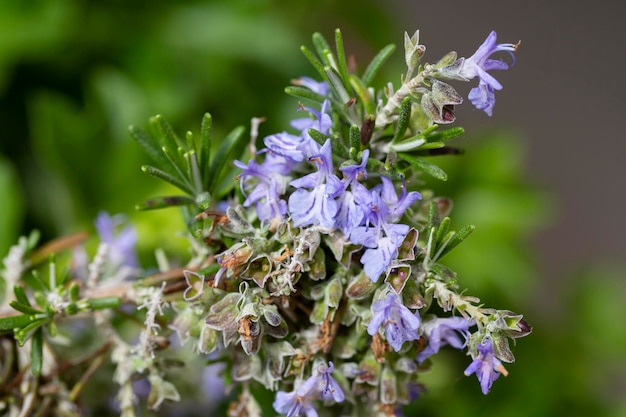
(266, 191)
(317, 206)
(319, 385)
(379, 233)
(486, 366)
(440, 332)
(478, 65)
(400, 323)
(353, 203)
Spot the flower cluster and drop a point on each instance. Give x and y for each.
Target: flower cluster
(320, 279)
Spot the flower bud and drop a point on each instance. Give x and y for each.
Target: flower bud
(207, 342)
(413, 52)
(360, 286)
(333, 292)
(388, 386)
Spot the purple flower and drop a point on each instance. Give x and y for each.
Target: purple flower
(397, 204)
(317, 206)
(121, 243)
(379, 233)
(444, 331)
(287, 145)
(478, 65)
(400, 323)
(292, 404)
(267, 190)
(486, 366)
(352, 204)
(328, 388)
(319, 385)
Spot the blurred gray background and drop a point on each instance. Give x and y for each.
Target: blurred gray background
(565, 96)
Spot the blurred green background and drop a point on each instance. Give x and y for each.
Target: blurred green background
(75, 73)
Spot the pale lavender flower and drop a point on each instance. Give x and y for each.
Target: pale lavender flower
(266, 191)
(400, 323)
(292, 404)
(120, 242)
(319, 385)
(316, 207)
(486, 366)
(379, 233)
(478, 65)
(353, 203)
(328, 388)
(444, 331)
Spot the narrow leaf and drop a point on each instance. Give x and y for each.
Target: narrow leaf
(431, 145)
(337, 84)
(363, 93)
(403, 119)
(20, 295)
(442, 230)
(433, 215)
(321, 46)
(24, 308)
(458, 237)
(155, 172)
(167, 136)
(355, 137)
(163, 202)
(8, 324)
(104, 302)
(377, 63)
(318, 136)
(445, 135)
(425, 166)
(341, 56)
(205, 147)
(23, 334)
(304, 93)
(149, 144)
(233, 142)
(319, 67)
(36, 352)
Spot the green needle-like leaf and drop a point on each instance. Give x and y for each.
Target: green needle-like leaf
(36, 352)
(318, 136)
(233, 142)
(205, 147)
(456, 240)
(433, 215)
(104, 303)
(403, 119)
(24, 308)
(444, 135)
(321, 46)
(166, 201)
(317, 64)
(363, 93)
(8, 324)
(355, 137)
(341, 56)
(442, 230)
(20, 295)
(155, 172)
(150, 145)
(377, 63)
(423, 165)
(304, 93)
(167, 137)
